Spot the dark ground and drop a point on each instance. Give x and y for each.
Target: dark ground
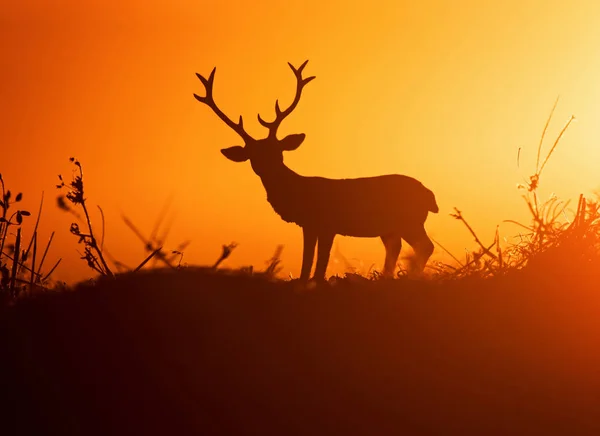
(206, 354)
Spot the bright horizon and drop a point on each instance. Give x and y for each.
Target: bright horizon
(446, 92)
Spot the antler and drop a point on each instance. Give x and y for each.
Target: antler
(279, 114)
(210, 102)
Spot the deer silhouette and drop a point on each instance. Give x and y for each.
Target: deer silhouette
(391, 207)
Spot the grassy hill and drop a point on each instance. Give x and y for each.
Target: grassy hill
(199, 352)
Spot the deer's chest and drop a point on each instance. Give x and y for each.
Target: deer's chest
(287, 207)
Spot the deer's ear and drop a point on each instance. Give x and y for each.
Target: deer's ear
(235, 153)
(292, 142)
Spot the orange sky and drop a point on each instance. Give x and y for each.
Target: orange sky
(444, 91)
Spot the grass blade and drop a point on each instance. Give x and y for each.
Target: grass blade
(15, 263)
(154, 253)
(562, 132)
(39, 271)
(537, 162)
(52, 270)
(33, 262)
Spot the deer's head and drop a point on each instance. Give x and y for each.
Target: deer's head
(262, 153)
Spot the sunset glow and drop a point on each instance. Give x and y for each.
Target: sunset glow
(443, 91)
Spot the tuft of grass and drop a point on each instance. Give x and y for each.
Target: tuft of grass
(154, 245)
(274, 264)
(551, 239)
(17, 275)
(226, 252)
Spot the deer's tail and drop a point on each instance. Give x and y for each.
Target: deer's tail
(431, 203)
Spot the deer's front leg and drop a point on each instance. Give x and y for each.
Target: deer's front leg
(310, 241)
(324, 250)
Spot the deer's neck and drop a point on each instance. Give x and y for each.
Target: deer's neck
(279, 179)
(284, 191)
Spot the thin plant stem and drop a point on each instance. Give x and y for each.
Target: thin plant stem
(562, 132)
(35, 227)
(51, 270)
(448, 252)
(15, 263)
(103, 227)
(39, 271)
(105, 268)
(33, 262)
(537, 162)
(147, 259)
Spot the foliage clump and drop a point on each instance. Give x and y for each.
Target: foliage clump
(557, 238)
(92, 251)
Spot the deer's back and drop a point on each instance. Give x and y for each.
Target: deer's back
(368, 206)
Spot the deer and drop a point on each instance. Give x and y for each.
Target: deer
(392, 207)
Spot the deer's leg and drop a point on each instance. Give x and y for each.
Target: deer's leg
(420, 242)
(323, 252)
(310, 241)
(393, 245)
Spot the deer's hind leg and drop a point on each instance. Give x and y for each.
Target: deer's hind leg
(417, 237)
(393, 245)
